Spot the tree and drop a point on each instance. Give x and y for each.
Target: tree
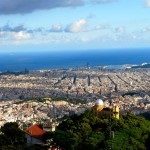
(89, 131)
(67, 140)
(93, 141)
(12, 136)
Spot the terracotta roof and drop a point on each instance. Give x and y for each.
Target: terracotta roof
(35, 131)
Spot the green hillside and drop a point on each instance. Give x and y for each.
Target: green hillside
(91, 132)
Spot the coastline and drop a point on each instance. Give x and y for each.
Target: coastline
(66, 60)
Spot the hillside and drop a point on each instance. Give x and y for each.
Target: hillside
(91, 132)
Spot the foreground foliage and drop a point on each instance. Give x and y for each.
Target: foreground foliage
(89, 131)
(11, 137)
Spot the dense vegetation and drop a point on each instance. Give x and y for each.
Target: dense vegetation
(89, 131)
(86, 131)
(11, 137)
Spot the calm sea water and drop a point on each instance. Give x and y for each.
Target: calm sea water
(67, 59)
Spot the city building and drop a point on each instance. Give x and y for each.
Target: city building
(108, 112)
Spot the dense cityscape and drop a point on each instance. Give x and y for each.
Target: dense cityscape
(83, 84)
(54, 94)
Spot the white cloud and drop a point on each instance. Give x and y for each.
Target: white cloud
(146, 29)
(120, 29)
(14, 36)
(77, 26)
(85, 39)
(100, 27)
(56, 28)
(2, 34)
(20, 35)
(148, 3)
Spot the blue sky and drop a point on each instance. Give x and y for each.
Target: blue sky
(36, 25)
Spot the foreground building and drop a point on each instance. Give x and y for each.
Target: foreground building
(34, 134)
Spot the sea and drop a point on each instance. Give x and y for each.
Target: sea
(45, 60)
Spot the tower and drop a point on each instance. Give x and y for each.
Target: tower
(116, 112)
(99, 105)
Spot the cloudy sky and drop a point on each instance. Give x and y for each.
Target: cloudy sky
(27, 25)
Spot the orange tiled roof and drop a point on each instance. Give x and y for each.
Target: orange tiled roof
(35, 131)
